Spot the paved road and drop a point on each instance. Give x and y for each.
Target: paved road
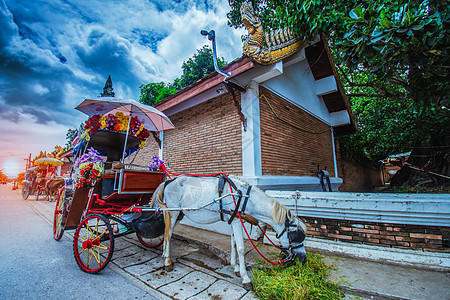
(35, 266)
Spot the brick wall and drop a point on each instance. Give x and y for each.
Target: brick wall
(144, 157)
(358, 177)
(416, 237)
(289, 150)
(206, 139)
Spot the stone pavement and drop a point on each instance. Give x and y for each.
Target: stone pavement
(202, 272)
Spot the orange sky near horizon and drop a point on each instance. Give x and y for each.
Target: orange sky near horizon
(19, 140)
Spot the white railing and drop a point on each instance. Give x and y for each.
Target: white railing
(415, 209)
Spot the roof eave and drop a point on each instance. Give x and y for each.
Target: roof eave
(236, 68)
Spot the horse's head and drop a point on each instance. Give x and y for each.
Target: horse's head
(291, 238)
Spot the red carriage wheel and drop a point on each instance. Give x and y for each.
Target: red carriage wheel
(93, 243)
(58, 230)
(151, 242)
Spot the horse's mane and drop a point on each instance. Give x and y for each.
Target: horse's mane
(280, 212)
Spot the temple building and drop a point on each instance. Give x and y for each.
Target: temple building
(270, 116)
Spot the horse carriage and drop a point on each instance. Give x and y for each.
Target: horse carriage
(103, 211)
(109, 199)
(29, 184)
(100, 199)
(41, 180)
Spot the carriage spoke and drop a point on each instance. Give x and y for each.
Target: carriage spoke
(94, 238)
(89, 258)
(84, 250)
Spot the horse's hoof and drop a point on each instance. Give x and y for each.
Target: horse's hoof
(248, 286)
(169, 268)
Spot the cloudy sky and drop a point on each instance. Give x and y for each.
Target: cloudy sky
(56, 53)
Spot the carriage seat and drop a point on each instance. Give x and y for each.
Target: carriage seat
(133, 187)
(129, 182)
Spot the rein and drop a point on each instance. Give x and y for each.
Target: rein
(163, 168)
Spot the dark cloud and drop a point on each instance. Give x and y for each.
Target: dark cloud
(181, 6)
(53, 54)
(149, 38)
(7, 27)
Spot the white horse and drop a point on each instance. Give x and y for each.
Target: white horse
(188, 193)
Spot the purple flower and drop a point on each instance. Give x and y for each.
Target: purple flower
(91, 156)
(156, 162)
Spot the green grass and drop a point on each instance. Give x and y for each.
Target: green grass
(295, 282)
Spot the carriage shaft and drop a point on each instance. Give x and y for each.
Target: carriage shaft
(144, 209)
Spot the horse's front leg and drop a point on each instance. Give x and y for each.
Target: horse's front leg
(240, 247)
(170, 220)
(233, 255)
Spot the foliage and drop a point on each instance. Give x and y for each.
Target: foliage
(20, 177)
(393, 56)
(198, 66)
(70, 134)
(194, 69)
(3, 177)
(152, 93)
(297, 281)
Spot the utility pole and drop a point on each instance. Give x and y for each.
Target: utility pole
(28, 160)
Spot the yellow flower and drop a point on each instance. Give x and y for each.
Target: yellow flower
(103, 122)
(140, 129)
(97, 166)
(86, 135)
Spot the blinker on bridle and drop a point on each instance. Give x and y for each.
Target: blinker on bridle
(294, 236)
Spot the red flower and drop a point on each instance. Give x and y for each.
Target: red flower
(143, 135)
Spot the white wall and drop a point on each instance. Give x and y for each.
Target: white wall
(297, 85)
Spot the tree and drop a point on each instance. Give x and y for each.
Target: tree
(153, 93)
(20, 177)
(195, 68)
(393, 56)
(198, 66)
(3, 177)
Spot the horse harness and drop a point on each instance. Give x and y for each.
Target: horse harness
(222, 180)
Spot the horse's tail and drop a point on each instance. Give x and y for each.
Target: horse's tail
(158, 196)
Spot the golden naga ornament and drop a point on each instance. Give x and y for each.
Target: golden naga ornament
(267, 48)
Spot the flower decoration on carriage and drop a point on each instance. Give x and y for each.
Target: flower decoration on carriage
(93, 123)
(116, 123)
(156, 163)
(89, 168)
(89, 174)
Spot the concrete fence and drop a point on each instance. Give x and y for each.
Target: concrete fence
(407, 221)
